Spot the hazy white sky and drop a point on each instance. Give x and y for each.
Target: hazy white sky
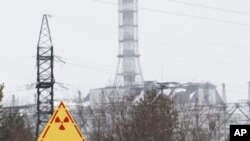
(173, 47)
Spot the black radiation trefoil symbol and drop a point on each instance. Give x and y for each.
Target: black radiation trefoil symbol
(58, 120)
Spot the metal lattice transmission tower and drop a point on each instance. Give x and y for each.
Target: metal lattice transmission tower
(128, 71)
(45, 76)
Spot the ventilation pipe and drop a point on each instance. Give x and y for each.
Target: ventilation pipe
(224, 95)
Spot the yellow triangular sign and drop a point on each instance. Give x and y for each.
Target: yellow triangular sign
(61, 127)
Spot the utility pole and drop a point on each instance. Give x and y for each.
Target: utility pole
(45, 76)
(13, 100)
(224, 95)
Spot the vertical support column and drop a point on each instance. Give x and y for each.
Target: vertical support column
(248, 101)
(224, 96)
(248, 98)
(45, 76)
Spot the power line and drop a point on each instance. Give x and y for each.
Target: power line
(83, 64)
(11, 73)
(23, 66)
(201, 59)
(87, 67)
(73, 22)
(80, 21)
(197, 50)
(155, 35)
(194, 40)
(184, 47)
(196, 58)
(87, 62)
(19, 89)
(150, 73)
(180, 14)
(210, 7)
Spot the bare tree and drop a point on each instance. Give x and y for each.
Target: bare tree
(199, 122)
(1, 96)
(1, 92)
(153, 118)
(13, 125)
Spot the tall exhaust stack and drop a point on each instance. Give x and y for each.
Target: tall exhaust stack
(128, 72)
(224, 95)
(248, 92)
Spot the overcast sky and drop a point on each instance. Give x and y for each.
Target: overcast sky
(177, 41)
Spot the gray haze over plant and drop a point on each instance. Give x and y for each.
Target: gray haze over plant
(210, 45)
